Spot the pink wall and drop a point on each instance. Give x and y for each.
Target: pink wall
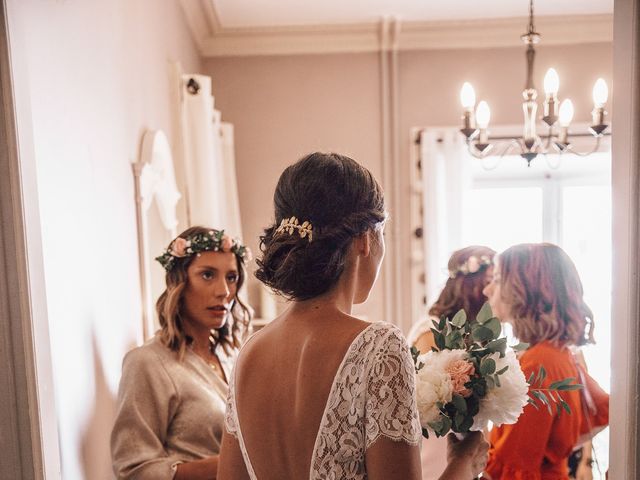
(100, 73)
(283, 107)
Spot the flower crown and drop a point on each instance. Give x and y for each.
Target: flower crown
(472, 265)
(213, 240)
(290, 224)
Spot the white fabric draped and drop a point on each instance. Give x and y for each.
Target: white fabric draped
(446, 177)
(212, 192)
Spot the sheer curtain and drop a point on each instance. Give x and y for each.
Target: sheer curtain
(211, 191)
(446, 179)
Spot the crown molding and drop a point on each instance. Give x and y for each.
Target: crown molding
(214, 40)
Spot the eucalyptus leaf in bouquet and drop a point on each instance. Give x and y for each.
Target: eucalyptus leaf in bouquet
(473, 377)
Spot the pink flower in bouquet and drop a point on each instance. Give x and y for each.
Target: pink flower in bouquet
(460, 372)
(227, 243)
(179, 247)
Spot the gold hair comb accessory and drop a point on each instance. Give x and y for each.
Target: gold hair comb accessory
(289, 225)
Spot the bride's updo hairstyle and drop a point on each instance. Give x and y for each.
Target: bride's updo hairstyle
(340, 200)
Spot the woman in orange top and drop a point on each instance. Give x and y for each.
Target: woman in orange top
(537, 289)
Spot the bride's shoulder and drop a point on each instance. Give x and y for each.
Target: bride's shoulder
(384, 336)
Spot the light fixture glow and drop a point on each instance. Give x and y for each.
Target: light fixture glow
(551, 82)
(467, 96)
(483, 114)
(566, 112)
(600, 93)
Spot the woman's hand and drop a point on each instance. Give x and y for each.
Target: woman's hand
(205, 469)
(466, 458)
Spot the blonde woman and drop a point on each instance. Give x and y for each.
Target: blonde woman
(537, 289)
(470, 269)
(173, 390)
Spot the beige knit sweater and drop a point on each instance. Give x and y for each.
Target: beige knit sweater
(169, 412)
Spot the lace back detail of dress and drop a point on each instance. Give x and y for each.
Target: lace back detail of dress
(373, 395)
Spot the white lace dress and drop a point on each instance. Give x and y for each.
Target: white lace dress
(372, 395)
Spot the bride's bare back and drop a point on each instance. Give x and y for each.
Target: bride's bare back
(285, 375)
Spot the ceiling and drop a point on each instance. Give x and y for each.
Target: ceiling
(289, 27)
(270, 13)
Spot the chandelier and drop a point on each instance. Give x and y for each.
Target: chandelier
(557, 117)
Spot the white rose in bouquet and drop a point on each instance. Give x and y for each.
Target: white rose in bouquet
(433, 384)
(504, 403)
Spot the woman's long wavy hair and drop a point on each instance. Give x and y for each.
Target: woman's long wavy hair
(542, 289)
(170, 303)
(464, 290)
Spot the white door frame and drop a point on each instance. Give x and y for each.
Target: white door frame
(624, 448)
(29, 440)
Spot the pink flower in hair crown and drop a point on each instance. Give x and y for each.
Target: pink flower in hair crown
(226, 243)
(179, 247)
(460, 372)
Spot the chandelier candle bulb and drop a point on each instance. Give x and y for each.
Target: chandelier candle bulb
(600, 96)
(551, 87)
(600, 93)
(468, 100)
(551, 83)
(468, 97)
(483, 115)
(566, 112)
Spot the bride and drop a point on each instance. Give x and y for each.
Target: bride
(318, 393)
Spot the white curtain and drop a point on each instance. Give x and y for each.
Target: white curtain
(446, 177)
(212, 192)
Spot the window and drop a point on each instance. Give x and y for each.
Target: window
(571, 207)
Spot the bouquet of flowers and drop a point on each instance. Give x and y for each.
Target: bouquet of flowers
(472, 377)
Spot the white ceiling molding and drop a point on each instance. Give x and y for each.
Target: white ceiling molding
(216, 41)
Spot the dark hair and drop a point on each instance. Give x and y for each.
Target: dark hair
(170, 303)
(463, 289)
(341, 199)
(542, 288)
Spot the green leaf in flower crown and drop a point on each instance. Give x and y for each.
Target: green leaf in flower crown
(484, 314)
(482, 334)
(487, 366)
(502, 370)
(459, 319)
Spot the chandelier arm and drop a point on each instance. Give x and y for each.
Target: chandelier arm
(586, 154)
(510, 145)
(473, 152)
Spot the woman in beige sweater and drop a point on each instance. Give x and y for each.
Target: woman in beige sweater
(173, 390)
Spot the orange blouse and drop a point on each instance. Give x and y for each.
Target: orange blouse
(538, 445)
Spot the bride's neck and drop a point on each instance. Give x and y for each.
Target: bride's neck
(339, 298)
